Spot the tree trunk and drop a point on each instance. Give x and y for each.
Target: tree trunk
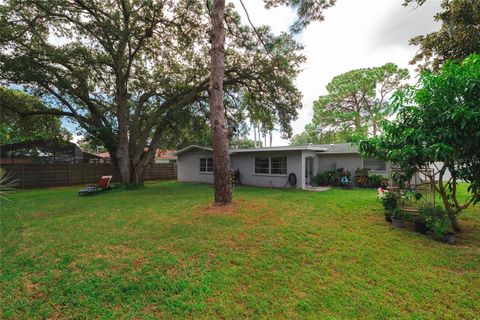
(221, 158)
(454, 222)
(123, 156)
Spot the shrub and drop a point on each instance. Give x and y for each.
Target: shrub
(7, 183)
(375, 181)
(390, 202)
(322, 178)
(436, 219)
(398, 214)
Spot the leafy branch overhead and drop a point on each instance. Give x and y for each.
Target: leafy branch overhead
(307, 11)
(15, 126)
(132, 74)
(458, 36)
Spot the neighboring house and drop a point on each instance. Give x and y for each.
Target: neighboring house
(161, 156)
(272, 166)
(44, 152)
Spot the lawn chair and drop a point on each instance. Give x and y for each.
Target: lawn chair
(102, 185)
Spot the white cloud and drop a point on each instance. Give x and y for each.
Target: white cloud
(355, 34)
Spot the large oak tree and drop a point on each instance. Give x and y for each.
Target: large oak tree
(133, 73)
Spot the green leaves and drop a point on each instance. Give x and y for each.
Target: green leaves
(358, 100)
(458, 36)
(439, 122)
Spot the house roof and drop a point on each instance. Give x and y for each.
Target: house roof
(193, 146)
(103, 155)
(159, 154)
(310, 147)
(339, 148)
(166, 154)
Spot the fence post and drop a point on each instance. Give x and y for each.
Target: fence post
(69, 175)
(23, 175)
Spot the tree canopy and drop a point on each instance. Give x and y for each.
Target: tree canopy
(131, 74)
(14, 127)
(459, 34)
(357, 101)
(438, 125)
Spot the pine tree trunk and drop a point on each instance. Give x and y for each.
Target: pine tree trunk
(221, 158)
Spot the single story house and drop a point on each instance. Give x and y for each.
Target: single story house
(272, 166)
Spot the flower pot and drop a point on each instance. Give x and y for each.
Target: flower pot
(397, 223)
(449, 238)
(421, 227)
(388, 218)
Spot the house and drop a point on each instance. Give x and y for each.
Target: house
(272, 166)
(44, 152)
(161, 156)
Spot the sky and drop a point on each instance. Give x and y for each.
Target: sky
(355, 34)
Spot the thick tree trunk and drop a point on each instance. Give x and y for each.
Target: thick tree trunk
(123, 156)
(221, 159)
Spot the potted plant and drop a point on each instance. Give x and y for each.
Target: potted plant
(420, 221)
(438, 223)
(390, 203)
(398, 216)
(421, 225)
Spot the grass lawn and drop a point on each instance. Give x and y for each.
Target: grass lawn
(161, 252)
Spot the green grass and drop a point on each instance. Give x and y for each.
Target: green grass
(158, 252)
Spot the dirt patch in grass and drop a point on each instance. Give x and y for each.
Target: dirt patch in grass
(214, 209)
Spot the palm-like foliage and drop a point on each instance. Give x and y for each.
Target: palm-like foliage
(7, 183)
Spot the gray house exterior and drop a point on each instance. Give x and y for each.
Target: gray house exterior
(271, 167)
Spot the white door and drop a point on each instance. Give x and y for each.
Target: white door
(308, 170)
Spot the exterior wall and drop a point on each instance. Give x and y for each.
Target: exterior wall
(245, 162)
(349, 162)
(188, 165)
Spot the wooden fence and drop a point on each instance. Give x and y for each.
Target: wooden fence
(53, 175)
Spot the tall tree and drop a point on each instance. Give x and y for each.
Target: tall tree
(358, 100)
(312, 135)
(133, 74)
(459, 34)
(438, 126)
(221, 158)
(14, 127)
(307, 11)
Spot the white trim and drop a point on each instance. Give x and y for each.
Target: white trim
(193, 146)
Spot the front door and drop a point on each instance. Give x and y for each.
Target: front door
(308, 170)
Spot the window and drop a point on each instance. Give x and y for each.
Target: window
(274, 165)
(262, 165)
(374, 164)
(278, 165)
(206, 164)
